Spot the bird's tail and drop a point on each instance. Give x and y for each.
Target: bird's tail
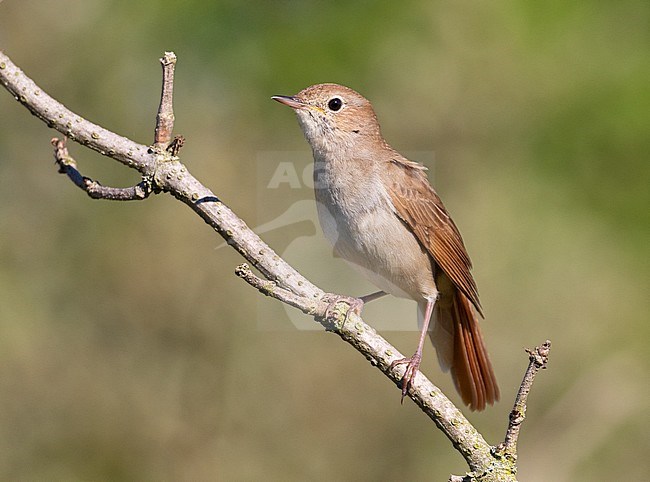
(459, 345)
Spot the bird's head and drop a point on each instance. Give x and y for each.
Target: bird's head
(333, 118)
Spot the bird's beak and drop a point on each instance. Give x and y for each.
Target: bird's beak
(292, 102)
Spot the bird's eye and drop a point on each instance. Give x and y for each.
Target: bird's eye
(335, 104)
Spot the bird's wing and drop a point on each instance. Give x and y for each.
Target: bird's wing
(420, 208)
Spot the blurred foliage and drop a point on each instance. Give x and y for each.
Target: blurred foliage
(129, 351)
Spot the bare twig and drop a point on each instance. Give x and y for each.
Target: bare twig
(538, 358)
(94, 189)
(165, 117)
(312, 307)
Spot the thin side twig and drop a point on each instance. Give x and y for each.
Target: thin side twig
(270, 288)
(165, 116)
(537, 360)
(68, 166)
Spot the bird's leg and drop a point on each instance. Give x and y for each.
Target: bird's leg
(413, 363)
(372, 296)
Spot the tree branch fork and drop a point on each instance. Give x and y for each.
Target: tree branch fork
(162, 171)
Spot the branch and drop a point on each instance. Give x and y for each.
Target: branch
(94, 189)
(313, 307)
(58, 117)
(162, 171)
(538, 359)
(165, 117)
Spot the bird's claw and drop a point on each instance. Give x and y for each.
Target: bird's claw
(356, 305)
(413, 365)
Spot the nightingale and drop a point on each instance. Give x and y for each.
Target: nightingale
(380, 213)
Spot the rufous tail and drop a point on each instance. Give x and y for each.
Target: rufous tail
(459, 344)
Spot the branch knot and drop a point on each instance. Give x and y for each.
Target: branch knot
(539, 356)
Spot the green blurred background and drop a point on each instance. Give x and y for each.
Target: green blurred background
(130, 351)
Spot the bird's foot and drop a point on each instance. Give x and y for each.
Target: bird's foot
(412, 367)
(331, 313)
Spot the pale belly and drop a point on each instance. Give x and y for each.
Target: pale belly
(367, 233)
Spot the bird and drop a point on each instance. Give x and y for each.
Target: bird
(381, 214)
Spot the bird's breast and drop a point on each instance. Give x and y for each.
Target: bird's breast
(359, 220)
